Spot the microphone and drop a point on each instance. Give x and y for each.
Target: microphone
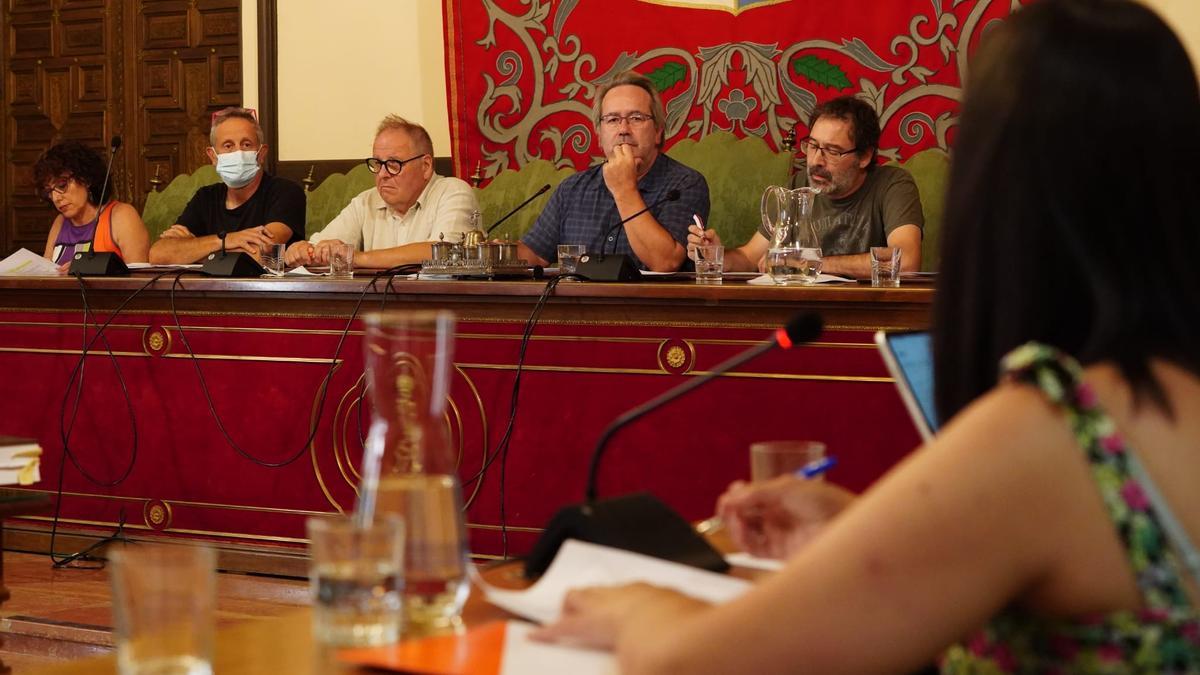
(237, 264)
(616, 267)
(105, 263)
(520, 206)
(114, 145)
(641, 522)
(671, 196)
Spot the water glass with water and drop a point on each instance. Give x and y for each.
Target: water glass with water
(769, 459)
(794, 265)
(568, 257)
(164, 599)
(885, 265)
(710, 261)
(356, 580)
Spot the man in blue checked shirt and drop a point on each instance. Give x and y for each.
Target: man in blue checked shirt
(587, 206)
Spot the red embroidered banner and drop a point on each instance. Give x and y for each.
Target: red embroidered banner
(522, 72)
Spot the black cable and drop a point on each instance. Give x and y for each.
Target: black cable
(323, 389)
(501, 450)
(65, 434)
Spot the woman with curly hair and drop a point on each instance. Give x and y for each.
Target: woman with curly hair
(70, 176)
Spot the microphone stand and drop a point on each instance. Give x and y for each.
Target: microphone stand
(641, 522)
(118, 535)
(520, 206)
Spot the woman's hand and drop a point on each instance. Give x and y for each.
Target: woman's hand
(777, 518)
(595, 617)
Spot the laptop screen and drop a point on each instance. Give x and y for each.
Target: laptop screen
(909, 357)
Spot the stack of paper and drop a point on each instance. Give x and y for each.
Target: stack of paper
(19, 461)
(26, 263)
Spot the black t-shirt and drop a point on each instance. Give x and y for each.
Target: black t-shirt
(276, 200)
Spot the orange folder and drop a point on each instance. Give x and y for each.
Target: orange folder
(477, 652)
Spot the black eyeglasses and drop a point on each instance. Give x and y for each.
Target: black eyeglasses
(808, 145)
(393, 166)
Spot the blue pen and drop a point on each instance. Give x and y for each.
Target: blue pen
(811, 470)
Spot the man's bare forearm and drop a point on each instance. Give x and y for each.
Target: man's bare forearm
(183, 251)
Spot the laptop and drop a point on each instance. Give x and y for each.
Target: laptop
(909, 360)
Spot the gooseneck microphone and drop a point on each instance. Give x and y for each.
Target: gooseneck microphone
(520, 206)
(671, 196)
(114, 145)
(798, 330)
(104, 263)
(641, 522)
(221, 236)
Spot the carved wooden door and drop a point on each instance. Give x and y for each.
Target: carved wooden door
(151, 71)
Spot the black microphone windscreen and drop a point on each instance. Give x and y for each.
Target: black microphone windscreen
(116, 142)
(803, 327)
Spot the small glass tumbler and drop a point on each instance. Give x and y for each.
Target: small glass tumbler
(710, 261)
(164, 601)
(357, 581)
(568, 257)
(341, 261)
(885, 265)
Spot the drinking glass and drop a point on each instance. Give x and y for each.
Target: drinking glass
(164, 598)
(769, 459)
(356, 580)
(710, 261)
(885, 265)
(272, 258)
(341, 261)
(568, 257)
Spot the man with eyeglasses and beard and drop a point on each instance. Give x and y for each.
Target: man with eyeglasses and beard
(395, 222)
(251, 207)
(587, 206)
(861, 204)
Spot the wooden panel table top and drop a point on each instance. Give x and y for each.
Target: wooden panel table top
(256, 352)
(285, 644)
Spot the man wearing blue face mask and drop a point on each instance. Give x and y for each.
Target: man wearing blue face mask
(252, 207)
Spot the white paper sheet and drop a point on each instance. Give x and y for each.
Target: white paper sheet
(579, 564)
(26, 263)
(523, 656)
(766, 280)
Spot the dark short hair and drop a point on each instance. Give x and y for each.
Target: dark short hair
(635, 79)
(864, 123)
(71, 159)
(1065, 224)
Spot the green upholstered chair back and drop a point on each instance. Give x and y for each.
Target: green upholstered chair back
(333, 194)
(737, 171)
(930, 169)
(510, 187)
(163, 208)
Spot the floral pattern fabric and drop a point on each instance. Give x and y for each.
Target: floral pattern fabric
(1164, 636)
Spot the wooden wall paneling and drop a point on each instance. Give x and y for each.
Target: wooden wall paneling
(188, 63)
(58, 76)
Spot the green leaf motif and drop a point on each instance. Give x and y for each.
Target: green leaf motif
(822, 72)
(668, 75)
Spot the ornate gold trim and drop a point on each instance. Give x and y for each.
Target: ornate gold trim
(714, 7)
(206, 533)
(510, 528)
(647, 371)
(73, 352)
(263, 359)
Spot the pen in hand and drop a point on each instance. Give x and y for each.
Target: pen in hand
(811, 470)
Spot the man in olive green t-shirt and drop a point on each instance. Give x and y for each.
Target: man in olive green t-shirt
(861, 204)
